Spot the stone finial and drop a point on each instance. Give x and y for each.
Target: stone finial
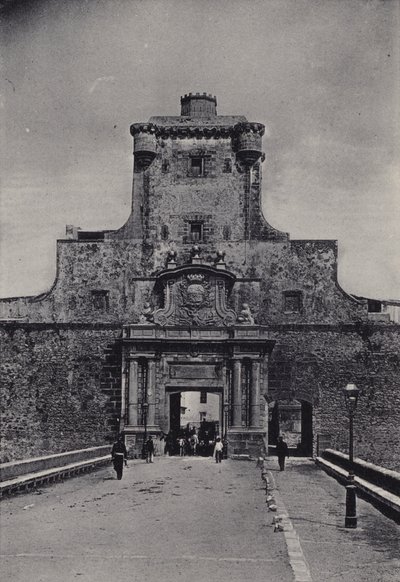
(196, 254)
(171, 259)
(220, 260)
(71, 231)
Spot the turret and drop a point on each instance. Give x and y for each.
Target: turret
(145, 144)
(249, 142)
(198, 105)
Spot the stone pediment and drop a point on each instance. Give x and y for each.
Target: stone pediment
(195, 296)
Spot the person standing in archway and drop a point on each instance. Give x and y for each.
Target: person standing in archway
(149, 450)
(282, 451)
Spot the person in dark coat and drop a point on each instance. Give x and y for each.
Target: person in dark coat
(282, 451)
(119, 456)
(149, 450)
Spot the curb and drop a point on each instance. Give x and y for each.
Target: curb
(282, 523)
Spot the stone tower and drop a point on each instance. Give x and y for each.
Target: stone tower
(197, 177)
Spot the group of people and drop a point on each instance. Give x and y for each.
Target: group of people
(119, 454)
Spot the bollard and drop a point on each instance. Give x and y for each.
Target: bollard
(277, 523)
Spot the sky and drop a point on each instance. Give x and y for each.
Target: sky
(322, 75)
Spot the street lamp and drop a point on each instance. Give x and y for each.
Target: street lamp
(145, 407)
(351, 393)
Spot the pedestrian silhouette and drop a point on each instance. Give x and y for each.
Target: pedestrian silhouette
(149, 450)
(218, 448)
(282, 451)
(119, 456)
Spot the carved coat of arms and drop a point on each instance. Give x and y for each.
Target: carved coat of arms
(195, 297)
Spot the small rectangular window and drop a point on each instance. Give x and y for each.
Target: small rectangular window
(203, 416)
(203, 397)
(227, 166)
(197, 166)
(292, 301)
(196, 231)
(100, 299)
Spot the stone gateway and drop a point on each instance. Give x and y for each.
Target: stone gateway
(197, 293)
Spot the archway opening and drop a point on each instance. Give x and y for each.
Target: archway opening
(195, 420)
(291, 419)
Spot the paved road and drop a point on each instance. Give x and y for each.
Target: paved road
(177, 519)
(315, 504)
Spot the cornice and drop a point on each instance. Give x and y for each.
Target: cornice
(182, 131)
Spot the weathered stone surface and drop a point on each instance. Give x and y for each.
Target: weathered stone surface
(61, 351)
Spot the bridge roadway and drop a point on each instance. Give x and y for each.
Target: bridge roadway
(192, 520)
(186, 519)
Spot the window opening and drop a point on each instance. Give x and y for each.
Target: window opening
(164, 232)
(196, 231)
(203, 397)
(226, 232)
(292, 301)
(227, 166)
(197, 166)
(100, 299)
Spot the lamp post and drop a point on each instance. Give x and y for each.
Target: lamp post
(226, 422)
(351, 393)
(145, 407)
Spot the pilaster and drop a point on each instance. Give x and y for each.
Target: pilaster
(133, 393)
(237, 393)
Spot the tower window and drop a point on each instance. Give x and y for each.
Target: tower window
(227, 166)
(226, 232)
(292, 301)
(196, 231)
(197, 166)
(164, 232)
(203, 397)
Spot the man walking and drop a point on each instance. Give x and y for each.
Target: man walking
(218, 450)
(119, 455)
(282, 451)
(149, 450)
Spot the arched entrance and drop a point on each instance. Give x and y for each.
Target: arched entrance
(292, 419)
(197, 417)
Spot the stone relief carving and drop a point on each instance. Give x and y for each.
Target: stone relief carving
(147, 313)
(195, 301)
(195, 298)
(245, 317)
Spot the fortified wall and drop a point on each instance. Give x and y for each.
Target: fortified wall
(196, 291)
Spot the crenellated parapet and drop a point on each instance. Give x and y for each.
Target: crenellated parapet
(198, 105)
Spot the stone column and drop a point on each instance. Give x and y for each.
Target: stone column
(255, 394)
(151, 392)
(133, 393)
(237, 393)
(124, 385)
